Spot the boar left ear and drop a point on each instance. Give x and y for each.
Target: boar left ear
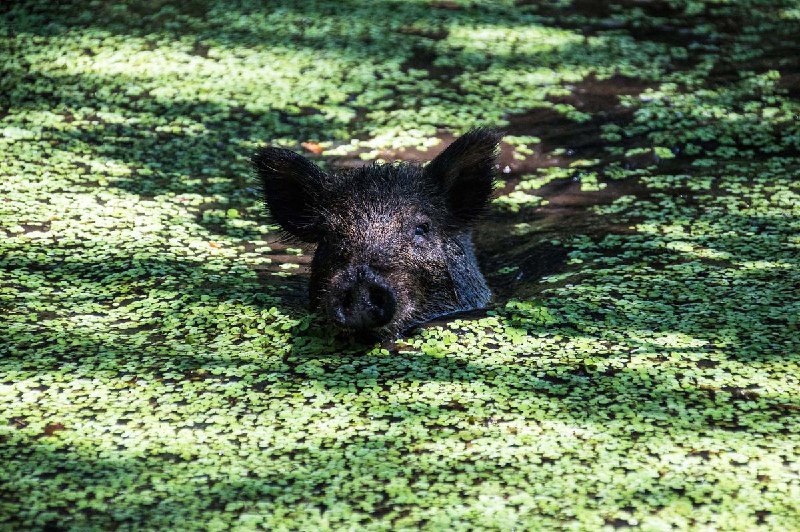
(292, 186)
(466, 171)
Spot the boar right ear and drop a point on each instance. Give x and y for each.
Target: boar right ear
(291, 185)
(466, 171)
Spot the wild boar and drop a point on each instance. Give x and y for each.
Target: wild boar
(394, 241)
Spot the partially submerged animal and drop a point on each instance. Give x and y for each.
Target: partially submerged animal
(394, 241)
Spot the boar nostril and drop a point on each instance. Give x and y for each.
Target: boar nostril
(378, 296)
(347, 299)
(383, 304)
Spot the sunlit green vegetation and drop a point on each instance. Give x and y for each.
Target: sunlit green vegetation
(641, 363)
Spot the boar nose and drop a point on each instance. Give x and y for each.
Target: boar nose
(366, 300)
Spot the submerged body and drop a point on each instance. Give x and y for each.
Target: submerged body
(394, 241)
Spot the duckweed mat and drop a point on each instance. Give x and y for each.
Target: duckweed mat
(639, 367)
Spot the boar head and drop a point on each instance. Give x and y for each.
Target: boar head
(394, 241)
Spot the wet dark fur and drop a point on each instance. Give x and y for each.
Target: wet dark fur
(365, 222)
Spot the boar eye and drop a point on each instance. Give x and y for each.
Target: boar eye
(422, 230)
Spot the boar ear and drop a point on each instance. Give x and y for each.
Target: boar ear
(291, 185)
(465, 171)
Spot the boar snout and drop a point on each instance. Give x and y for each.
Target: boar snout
(361, 299)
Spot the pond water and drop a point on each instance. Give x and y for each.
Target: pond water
(638, 367)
